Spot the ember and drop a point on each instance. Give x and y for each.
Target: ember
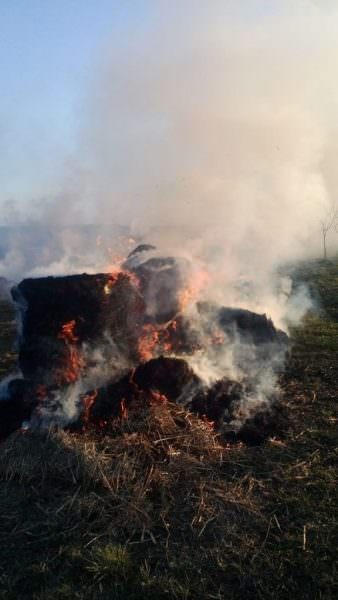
(88, 402)
(124, 410)
(190, 294)
(148, 342)
(67, 332)
(71, 370)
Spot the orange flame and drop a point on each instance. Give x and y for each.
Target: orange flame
(67, 332)
(124, 409)
(158, 398)
(199, 280)
(114, 276)
(75, 362)
(210, 424)
(155, 340)
(72, 370)
(117, 274)
(148, 342)
(88, 402)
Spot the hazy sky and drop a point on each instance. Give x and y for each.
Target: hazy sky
(198, 123)
(50, 52)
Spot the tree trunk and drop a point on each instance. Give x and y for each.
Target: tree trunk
(324, 246)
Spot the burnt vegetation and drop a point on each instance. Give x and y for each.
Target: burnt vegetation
(160, 505)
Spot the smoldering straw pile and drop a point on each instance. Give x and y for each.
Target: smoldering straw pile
(94, 347)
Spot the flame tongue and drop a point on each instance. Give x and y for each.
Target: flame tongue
(116, 275)
(67, 332)
(123, 409)
(155, 340)
(88, 402)
(74, 361)
(159, 337)
(148, 342)
(189, 294)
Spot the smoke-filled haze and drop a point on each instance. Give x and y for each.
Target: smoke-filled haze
(209, 130)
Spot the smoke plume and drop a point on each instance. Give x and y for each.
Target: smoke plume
(208, 132)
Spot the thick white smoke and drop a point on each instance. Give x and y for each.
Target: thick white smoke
(208, 131)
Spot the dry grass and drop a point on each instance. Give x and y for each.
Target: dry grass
(160, 508)
(152, 495)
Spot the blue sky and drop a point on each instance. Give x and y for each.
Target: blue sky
(48, 53)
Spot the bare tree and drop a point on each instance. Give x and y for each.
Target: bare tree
(330, 221)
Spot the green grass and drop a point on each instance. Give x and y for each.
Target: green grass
(7, 337)
(161, 509)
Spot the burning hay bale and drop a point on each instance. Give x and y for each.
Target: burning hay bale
(249, 326)
(218, 402)
(167, 379)
(94, 346)
(160, 279)
(161, 380)
(61, 314)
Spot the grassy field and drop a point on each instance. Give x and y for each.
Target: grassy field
(7, 338)
(160, 509)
